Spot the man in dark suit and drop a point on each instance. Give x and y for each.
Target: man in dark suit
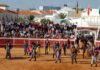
(33, 51)
(8, 49)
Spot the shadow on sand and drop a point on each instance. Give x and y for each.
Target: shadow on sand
(18, 58)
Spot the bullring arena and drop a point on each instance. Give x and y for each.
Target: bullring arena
(44, 62)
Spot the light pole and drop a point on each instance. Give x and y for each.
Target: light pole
(17, 13)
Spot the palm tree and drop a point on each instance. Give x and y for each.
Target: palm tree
(62, 15)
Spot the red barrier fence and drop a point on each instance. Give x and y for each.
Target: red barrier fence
(18, 42)
(98, 43)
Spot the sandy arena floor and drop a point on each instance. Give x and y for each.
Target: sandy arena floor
(44, 62)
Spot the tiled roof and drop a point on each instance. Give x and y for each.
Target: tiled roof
(49, 12)
(28, 12)
(8, 11)
(3, 5)
(36, 13)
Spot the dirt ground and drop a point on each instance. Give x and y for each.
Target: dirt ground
(44, 62)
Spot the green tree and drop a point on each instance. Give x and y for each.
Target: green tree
(99, 11)
(20, 18)
(31, 17)
(62, 15)
(45, 21)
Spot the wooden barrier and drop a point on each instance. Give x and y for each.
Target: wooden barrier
(18, 42)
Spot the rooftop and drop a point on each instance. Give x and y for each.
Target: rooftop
(36, 13)
(3, 5)
(28, 12)
(9, 11)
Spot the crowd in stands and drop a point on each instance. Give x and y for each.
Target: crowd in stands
(37, 30)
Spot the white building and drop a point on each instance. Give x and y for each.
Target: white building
(93, 12)
(65, 10)
(93, 19)
(3, 6)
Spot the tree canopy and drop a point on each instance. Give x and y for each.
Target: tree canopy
(62, 15)
(45, 21)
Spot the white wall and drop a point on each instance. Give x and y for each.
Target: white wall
(4, 8)
(93, 19)
(79, 22)
(94, 12)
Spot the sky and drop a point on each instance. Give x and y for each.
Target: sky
(29, 4)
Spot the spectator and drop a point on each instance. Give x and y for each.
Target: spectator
(27, 29)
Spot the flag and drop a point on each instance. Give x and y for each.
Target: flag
(88, 10)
